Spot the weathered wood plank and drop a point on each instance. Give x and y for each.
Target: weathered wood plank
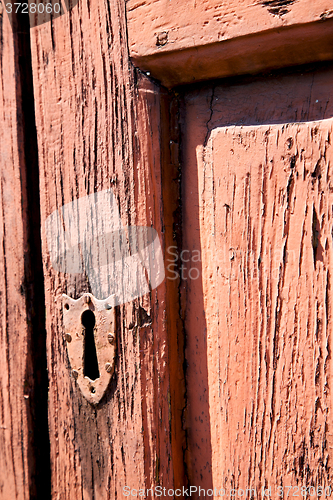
(24, 455)
(258, 322)
(192, 24)
(182, 42)
(271, 305)
(99, 128)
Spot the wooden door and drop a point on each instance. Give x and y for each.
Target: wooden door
(256, 236)
(222, 373)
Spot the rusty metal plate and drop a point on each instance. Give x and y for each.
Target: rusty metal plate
(90, 334)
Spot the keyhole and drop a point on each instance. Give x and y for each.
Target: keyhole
(90, 362)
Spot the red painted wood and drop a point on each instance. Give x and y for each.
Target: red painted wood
(182, 42)
(99, 127)
(236, 181)
(258, 209)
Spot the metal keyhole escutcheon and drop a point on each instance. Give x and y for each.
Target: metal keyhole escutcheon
(90, 335)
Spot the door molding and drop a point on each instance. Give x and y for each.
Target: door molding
(180, 43)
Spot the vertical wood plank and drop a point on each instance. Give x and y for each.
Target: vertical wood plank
(270, 303)
(98, 128)
(14, 481)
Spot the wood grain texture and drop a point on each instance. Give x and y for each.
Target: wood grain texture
(257, 163)
(182, 42)
(24, 455)
(99, 127)
(268, 303)
(14, 464)
(192, 24)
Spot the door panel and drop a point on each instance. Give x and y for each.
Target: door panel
(258, 171)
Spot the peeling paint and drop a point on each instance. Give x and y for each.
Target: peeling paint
(277, 7)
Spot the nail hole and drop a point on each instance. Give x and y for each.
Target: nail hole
(67, 306)
(90, 362)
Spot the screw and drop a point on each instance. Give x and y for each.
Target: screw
(68, 337)
(107, 306)
(162, 39)
(75, 374)
(108, 367)
(111, 338)
(231, 254)
(86, 299)
(92, 389)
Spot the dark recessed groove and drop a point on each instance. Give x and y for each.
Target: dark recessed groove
(36, 377)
